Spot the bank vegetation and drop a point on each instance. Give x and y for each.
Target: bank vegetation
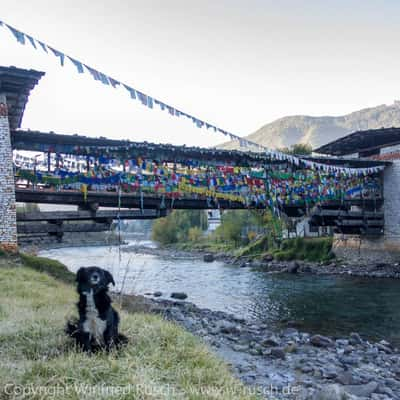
(242, 233)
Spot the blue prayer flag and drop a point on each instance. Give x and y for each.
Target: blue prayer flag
(93, 72)
(77, 64)
(131, 91)
(30, 38)
(113, 82)
(43, 46)
(17, 34)
(58, 54)
(103, 78)
(162, 105)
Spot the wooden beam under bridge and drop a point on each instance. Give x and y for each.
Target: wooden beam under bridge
(59, 229)
(86, 215)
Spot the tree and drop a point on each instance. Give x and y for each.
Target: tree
(175, 227)
(298, 149)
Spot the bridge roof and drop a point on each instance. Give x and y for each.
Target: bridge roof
(362, 141)
(16, 84)
(70, 144)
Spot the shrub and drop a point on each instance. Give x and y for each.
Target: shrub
(195, 234)
(164, 232)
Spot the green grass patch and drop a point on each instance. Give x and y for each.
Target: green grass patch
(161, 361)
(307, 249)
(205, 244)
(51, 267)
(255, 249)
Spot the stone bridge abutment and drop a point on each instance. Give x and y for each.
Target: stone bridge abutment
(8, 215)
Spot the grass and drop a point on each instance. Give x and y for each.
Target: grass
(162, 361)
(51, 267)
(307, 249)
(255, 249)
(205, 245)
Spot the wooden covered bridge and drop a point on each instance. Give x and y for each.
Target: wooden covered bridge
(264, 174)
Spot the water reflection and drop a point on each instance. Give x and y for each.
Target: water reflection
(332, 305)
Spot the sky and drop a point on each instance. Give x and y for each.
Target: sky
(237, 64)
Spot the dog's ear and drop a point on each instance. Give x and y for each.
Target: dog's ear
(109, 277)
(79, 274)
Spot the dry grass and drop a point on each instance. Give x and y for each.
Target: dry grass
(162, 361)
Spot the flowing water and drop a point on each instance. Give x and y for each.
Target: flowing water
(332, 305)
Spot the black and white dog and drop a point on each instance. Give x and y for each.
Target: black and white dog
(97, 327)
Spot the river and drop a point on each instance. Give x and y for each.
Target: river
(332, 305)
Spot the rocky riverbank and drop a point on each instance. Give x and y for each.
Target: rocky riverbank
(288, 364)
(32, 244)
(269, 265)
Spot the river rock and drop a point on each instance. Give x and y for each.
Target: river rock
(272, 341)
(355, 338)
(342, 342)
(329, 373)
(179, 295)
(332, 392)
(291, 347)
(228, 327)
(321, 341)
(349, 360)
(345, 378)
(293, 267)
(209, 257)
(157, 294)
(290, 332)
(382, 389)
(362, 390)
(240, 347)
(268, 258)
(278, 352)
(382, 347)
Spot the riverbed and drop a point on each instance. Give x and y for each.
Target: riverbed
(331, 305)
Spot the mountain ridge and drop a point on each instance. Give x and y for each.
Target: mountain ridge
(319, 130)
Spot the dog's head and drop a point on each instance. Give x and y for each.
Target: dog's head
(93, 279)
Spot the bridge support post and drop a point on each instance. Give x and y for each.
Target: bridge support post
(8, 216)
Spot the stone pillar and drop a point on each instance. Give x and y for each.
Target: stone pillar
(8, 215)
(392, 207)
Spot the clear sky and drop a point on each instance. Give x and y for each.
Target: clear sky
(238, 64)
